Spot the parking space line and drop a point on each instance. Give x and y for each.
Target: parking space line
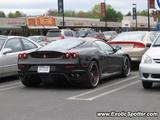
(105, 93)
(112, 91)
(9, 85)
(95, 90)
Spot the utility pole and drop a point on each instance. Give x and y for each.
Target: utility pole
(148, 15)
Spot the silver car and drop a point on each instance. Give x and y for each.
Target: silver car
(10, 47)
(134, 43)
(150, 65)
(57, 34)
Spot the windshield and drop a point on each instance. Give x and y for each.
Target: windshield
(1, 43)
(130, 36)
(63, 45)
(157, 42)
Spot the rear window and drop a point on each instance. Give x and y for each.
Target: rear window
(64, 45)
(54, 33)
(1, 43)
(130, 36)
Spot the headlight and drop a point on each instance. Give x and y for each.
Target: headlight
(146, 59)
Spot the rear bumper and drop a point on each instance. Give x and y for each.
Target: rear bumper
(136, 54)
(76, 74)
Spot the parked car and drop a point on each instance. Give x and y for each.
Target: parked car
(150, 65)
(98, 35)
(134, 43)
(79, 60)
(109, 35)
(10, 47)
(57, 34)
(39, 39)
(83, 32)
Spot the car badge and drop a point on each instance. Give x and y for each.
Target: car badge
(44, 56)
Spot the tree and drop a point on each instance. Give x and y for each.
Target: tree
(2, 14)
(128, 14)
(11, 15)
(111, 14)
(142, 13)
(16, 14)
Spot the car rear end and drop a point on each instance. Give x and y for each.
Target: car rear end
(49, 65)
(135, 44)
(53, 35)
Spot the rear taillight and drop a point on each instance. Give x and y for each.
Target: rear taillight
(23, 56)
(139, 45)
(67, 55)
(74, 55)
(134, 44)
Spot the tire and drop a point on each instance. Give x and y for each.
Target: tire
(147, 85)
(126, 67)
(30, 81)
(93, 75)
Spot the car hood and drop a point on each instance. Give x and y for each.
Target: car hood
(153, 52)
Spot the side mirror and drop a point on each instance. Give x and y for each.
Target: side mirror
(6, 50)
(118, 48)
(148, 45)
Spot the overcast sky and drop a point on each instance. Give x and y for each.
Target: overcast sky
(38, 7)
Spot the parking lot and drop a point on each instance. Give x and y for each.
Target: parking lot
(61, 102)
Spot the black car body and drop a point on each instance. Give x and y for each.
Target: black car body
(79, 60)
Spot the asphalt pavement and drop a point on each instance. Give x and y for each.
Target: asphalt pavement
(115, 98)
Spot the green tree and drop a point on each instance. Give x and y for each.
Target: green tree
(112, 15)
(142, 13)
(2, 14)
(11, 15)
(128, 14)
(16, 14)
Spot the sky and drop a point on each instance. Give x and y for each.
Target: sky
(39, 7)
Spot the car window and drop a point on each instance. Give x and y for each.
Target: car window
(28, 44)
(157, 42)
(1, 43)
(54, 33)
(104, 47)
(68, 33)
(14, 44)
(153, 36)
(64, 45)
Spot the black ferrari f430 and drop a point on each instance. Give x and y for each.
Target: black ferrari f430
(79, 60)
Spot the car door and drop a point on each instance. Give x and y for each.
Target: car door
(112, 62)
(9, 60)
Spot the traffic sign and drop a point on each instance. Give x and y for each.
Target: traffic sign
(60, 6)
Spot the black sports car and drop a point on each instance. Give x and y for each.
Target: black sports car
(78, 60)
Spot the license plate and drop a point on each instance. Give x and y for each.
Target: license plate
(43, 69)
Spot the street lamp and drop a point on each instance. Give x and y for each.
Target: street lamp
(135, 14)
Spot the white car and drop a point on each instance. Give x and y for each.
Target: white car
(10, 47)
(149, 68)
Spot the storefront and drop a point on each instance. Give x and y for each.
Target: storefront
(40, 25)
